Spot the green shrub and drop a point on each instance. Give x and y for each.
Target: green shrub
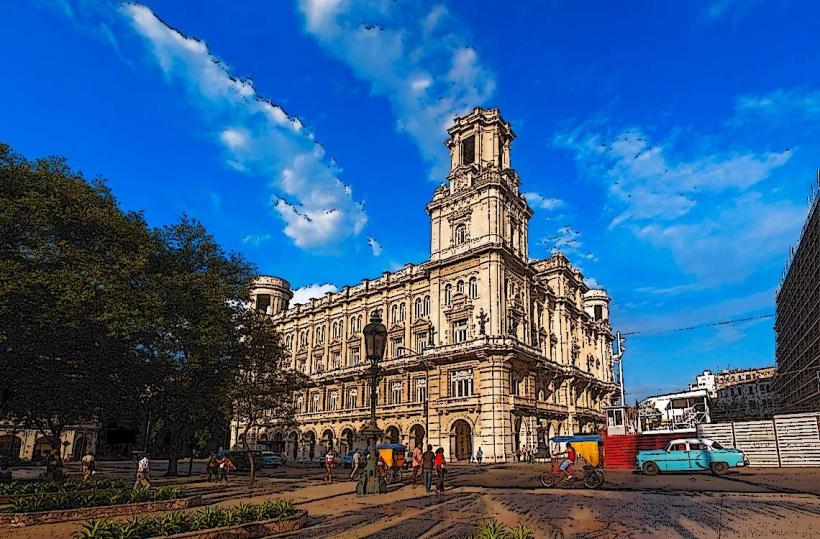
(52, 501)
(492, 529)
(139, 527)
(43, 487)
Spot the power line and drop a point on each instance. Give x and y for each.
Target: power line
(689, 328)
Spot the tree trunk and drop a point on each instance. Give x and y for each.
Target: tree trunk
(191, 463)
(172, 462)
(249, 456)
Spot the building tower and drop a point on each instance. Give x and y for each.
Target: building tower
(270, 294)
(596, 304)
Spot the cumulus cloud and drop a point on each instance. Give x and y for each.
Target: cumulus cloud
(645, 183)
(258, 137)
(698, 208)
(375, 246)
(539, 201)
(416, 55)
(308, 292)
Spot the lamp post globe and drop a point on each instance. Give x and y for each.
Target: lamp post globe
(375, 338)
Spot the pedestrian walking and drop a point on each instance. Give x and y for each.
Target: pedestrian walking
(428, 459)
(88, 465)
(226, 466)
(330, 463)
(213, 468)
(479, 455)
(416, 463)
(143, 473)
(441, 469)
(356, 462)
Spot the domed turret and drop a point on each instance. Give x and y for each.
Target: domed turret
(596, 304)
(270, 294)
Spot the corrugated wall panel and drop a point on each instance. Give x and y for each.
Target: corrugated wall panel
(799, 439)
(757, 440)
(718, 432)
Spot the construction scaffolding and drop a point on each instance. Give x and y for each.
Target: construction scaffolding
(797, 324)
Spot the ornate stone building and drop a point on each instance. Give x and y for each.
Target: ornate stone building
(486, 348)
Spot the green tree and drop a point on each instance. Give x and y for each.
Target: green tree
(75, 297)
(264, 384)
(203, 295)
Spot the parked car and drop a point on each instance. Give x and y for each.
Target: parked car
(691, 455)
(240, 460)
(269, 458)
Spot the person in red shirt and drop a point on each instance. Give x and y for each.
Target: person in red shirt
(566, 466)
(441, 469)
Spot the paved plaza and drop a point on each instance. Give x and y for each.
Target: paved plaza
(754, 502)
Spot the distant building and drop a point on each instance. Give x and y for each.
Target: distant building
(797, 380)
(705, 381)
(671, 412)
(744, 395)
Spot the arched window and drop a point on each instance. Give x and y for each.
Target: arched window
(417, 309)
(394, 313)
(426, 308)
(460, 287)
(448, 292)
(461, 234)
(473, 288)
(402, 313)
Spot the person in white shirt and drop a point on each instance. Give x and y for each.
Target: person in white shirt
(143, 479)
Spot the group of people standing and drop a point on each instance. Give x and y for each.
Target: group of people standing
(525, 455)
(429, 463)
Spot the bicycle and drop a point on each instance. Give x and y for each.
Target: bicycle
(592, 477)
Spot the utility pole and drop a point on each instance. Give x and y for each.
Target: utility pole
(620, 355)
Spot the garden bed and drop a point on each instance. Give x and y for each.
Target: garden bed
(16, 489)
(17, 520)
(243, 521)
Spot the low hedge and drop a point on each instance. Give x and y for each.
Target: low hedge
(54, 501)
(140, 527)
(42, 487)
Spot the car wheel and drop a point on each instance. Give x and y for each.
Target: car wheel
(719, 468)
(650, 468)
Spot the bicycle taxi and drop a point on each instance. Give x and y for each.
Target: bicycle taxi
(394, 456)
(589, 448)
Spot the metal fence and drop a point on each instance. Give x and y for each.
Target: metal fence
(785, 440)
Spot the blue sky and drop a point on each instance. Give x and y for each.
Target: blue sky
(667, 148)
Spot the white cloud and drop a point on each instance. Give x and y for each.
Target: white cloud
(734, 9)
(592, 282)
(566, 240)
(258, 137)
(644, 183)
(255, 239)
(375, 246)
(778, 106)
(541, 202)
(306, 293)
(418, 58)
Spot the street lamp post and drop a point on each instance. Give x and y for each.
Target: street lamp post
(375, 338)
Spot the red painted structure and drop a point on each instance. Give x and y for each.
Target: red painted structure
(621, 452)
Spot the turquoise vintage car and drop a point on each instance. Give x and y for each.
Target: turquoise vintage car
(691, 455)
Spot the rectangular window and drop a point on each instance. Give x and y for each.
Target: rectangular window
(420, 385)
(397, 344)
(421, 342)
(262, 302)
(395, 393)
(468, 151)
(334, 399)
(314, 402)
(461, 383)
(351, 398)
(336, 360)
(355, 357)
(460, 331)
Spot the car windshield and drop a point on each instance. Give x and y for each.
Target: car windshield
(716, 445)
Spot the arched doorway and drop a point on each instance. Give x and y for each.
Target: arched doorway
(43, 447)
(346, 441)
(293, 441)
(417, 436)
(263, 441)
(461, 438)
(10, 445)
(327, 439)
(392, 434)
(278, 443)
(310, 442)
(80, 447)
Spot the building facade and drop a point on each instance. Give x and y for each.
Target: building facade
(486, 347)
(682, 411)
(744, 395)
(797, 323)
(30, 445)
